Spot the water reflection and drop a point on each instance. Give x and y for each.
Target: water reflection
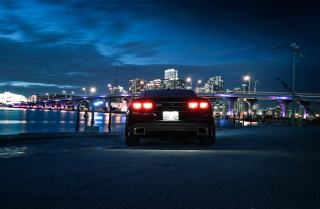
(7, 152)
(15, 121)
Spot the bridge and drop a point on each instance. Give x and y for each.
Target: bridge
(250, 97)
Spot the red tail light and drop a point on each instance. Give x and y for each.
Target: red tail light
(201, 105)
(142, 105)
(204, 105)
(193, 105)
(147, 105)
(137, 105)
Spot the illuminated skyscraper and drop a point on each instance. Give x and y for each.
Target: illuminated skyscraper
(214, 84)
(137, 85)
(171, 74)
(240, 106)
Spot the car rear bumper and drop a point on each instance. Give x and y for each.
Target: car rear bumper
(155, 129)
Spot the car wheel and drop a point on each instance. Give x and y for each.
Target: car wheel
(131, 140)
(209, 140)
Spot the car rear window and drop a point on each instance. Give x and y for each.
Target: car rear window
(173, 93)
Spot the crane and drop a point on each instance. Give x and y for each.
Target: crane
(297, 97)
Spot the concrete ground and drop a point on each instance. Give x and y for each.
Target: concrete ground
(253, 167)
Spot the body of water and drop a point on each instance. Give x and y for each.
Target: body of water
(15, 121)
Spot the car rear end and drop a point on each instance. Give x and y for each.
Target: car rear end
(170, 116)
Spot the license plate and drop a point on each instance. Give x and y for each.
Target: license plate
(172, 115)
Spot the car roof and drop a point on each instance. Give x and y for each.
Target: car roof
(168, 93)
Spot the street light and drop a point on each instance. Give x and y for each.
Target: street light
(294, 48)
(189, 80)
(247, 78)
(141, 83)
(71, 93)
(92, 90)
(199, 81)
(255, 85)
(65, 93)
(47, 95)
(110, 88)
(85, 91)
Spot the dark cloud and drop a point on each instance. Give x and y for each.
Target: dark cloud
(140, 49)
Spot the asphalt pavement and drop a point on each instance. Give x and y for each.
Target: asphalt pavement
(250, 167)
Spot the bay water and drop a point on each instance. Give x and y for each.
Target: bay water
(18, 120)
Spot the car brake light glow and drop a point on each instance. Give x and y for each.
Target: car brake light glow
(193, 105)
(204, 105)
(137, 105)
(147, 105)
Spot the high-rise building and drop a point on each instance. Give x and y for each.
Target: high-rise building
(170, 81)
(171, 74)
(240, 106)
(245, 87)
(117, 90)
(166, 83)
(137, 85)
(214, 84)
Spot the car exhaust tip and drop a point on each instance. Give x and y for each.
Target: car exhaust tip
(139, 131)
(202, 131)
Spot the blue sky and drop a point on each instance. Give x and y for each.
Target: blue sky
(48, 46)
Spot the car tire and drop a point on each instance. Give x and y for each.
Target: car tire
(131, 140)
(209, 140)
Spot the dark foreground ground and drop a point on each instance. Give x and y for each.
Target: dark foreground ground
(263, 167)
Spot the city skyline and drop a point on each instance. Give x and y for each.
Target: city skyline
(49, 46)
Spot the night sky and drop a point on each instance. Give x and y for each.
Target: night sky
(48, 46)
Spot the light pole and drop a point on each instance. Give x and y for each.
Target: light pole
(65, 93)
(199, 81)
(71, 94)
(255, 85)
(294, 48)
(92, 90)
(47, 95)
(141, 83)
(247, 78)
(85, 91)
(189, 80)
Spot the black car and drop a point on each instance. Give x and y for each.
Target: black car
(170, 113)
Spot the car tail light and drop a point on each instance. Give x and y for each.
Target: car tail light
(137, 105)
(204, 105)
(147, 105)
(193, 105)
(142, 105)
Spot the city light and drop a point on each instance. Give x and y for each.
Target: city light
(92, 90)
(247, 78)
(65, 93)
(85, 91)
(10, 98)
(255, 87)
(199, 81)
(98, 103)
(189, 80)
